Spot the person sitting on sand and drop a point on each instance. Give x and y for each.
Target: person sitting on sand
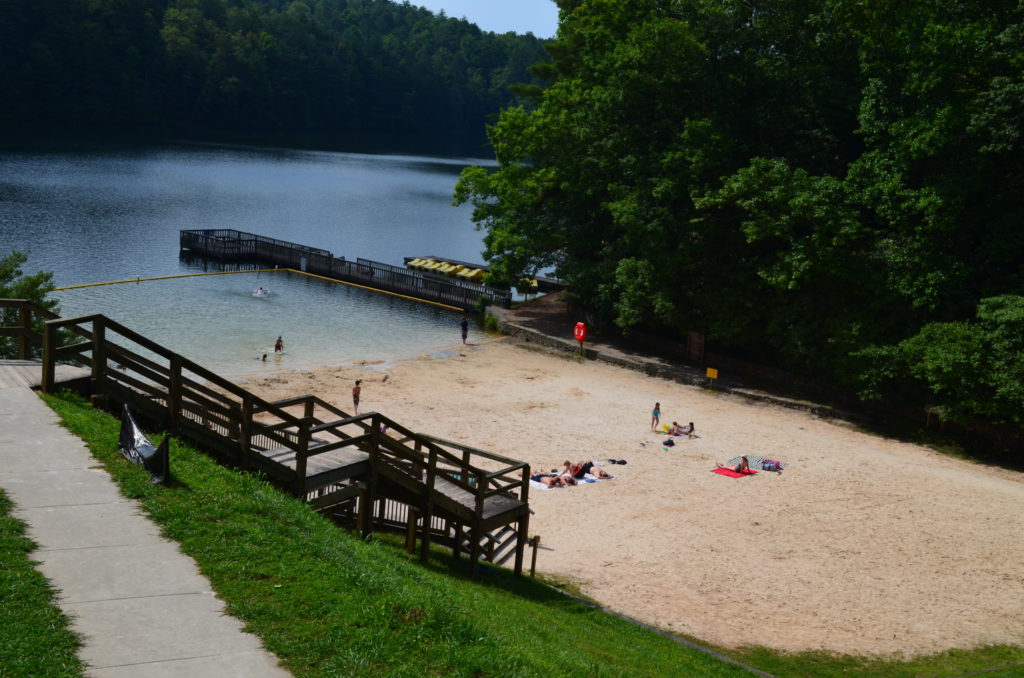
(742, 467)
(581, 469)
(678, 430)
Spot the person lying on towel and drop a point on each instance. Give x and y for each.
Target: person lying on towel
(553, 480)
(583, 468)
(742, 467)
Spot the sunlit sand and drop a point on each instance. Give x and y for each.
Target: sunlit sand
(862, 545)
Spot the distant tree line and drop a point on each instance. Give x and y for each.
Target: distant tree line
(346, 67)
(832, 187)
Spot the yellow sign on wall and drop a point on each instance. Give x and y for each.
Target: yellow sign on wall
(712, 373)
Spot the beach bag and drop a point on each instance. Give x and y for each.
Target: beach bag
(771, 465)
(670, 443)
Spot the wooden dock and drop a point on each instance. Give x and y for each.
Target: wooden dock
(365, 465)
(238, 246)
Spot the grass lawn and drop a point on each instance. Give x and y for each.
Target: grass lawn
(330, 604)
(34, 636)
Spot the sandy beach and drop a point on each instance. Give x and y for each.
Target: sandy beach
(862, 545)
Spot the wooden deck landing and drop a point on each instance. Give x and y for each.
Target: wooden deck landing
(449, 499)
(28, 373)
(326, 468)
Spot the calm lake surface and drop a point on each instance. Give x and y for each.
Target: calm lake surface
(104, 215)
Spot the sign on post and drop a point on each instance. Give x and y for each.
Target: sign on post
(712, 374)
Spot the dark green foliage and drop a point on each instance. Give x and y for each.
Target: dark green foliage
(15, 285)
(968, 369)
(328, 67)
(797, 180)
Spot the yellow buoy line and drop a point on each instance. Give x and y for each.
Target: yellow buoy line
(164, 277)
(256, 270)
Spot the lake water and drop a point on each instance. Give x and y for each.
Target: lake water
(98, 215)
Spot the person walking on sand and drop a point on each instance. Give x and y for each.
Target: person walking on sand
(656, 416)
(465, 329)
(356, 390)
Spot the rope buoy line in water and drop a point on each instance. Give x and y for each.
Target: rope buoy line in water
(257, 270)
(165, 277)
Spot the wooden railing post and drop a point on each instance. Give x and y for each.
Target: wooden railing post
(478, 512)
(368, 490)
(245, 432)
(521, 539)
(174, 394)
(301, 455)
(24, 347)
(428, 504)
(49, 355)
(410, 530)
(99, 352)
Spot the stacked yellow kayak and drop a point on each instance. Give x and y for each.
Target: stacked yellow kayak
(443, 267)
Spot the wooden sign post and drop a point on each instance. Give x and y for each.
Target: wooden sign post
(712, 374)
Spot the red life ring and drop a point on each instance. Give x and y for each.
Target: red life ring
(580, 332)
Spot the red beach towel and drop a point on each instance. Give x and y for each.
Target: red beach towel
(733, 474)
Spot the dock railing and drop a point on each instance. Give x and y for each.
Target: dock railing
(232, 245)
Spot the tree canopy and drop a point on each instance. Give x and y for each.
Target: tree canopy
(827, 186)
(14, 284)
(325, 67)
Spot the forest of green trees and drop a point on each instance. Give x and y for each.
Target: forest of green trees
(330, 68)
(833, 187)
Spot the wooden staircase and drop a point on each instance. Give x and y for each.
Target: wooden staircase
(307, 446)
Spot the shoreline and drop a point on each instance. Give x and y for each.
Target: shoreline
(863, 545)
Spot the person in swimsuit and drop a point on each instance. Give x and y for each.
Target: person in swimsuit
(551, 480)
(581, 469)
(656, 416)
(356, 390)
(279, 345)
(742, 467)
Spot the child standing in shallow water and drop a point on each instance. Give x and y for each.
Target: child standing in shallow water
(656, 416)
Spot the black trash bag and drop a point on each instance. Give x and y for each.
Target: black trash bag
(135, 446)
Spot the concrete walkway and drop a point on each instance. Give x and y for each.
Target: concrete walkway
(140, 605)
